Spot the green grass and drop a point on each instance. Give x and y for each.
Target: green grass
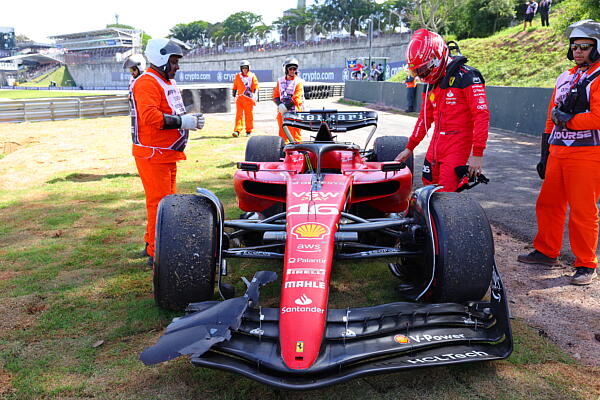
(511, 57)
(72, 276)
(61, 76)
(16, 94)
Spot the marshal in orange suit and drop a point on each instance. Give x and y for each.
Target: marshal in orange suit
(245, 87)
(159, 128)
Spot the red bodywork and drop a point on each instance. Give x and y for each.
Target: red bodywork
(312, 218)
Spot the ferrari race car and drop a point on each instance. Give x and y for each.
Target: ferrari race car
(308, 204)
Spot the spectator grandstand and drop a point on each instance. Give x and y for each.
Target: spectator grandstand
(104, 45)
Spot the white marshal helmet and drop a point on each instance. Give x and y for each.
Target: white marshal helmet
(135, 60)
(245, 63)
(290, 61)
(158, 51)
(585, 29)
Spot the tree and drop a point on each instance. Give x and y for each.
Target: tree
(193, 33)
(576, 10)
(241, 23)
(432, 14)
(479, 18)
(396, 12)
(336, 11)
(297, 19)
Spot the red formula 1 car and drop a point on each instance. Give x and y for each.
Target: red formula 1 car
(309, 204)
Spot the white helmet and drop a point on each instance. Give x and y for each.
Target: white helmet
(158, 51)
(290, 61)
(585, 29)
(245, 63)
(135, 60)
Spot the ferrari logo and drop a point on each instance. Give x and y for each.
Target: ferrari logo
(451, 82)
(299, 347)
(431, 97)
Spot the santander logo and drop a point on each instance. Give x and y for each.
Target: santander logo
(303, 300)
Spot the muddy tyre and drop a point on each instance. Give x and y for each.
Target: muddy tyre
(465, 249)
(264, 149)
(186, 251)
(386, 148)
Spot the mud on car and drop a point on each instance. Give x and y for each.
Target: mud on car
(309, 204)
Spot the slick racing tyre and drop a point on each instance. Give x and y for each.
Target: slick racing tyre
(386, 148)
(465, 249)
(185, 259)
(264, 149)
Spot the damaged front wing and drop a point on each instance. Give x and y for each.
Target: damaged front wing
(239, 336)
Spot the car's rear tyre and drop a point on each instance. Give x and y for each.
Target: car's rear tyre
(465, 249)
(264, 149)
(185, 256)
(386, 148)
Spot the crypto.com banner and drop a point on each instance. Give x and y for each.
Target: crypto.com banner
(203, 76)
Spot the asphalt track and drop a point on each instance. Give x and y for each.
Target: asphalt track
(509, 162)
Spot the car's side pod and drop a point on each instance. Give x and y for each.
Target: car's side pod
(221, 266)
(421, 199)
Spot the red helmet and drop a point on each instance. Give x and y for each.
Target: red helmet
(427, 55)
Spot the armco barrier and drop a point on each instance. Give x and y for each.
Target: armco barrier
(63, 108)
(517, 109)
(205, 100)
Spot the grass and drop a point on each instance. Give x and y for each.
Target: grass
(76, 305)
(511, 57)
(61, 76)
(16, 94)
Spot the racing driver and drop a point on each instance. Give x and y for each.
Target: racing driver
(455, 101)
(160, 127)
(570, 160)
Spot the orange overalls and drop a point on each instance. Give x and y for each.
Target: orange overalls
(285, 90)
(156, 150)
(244, 103)
(572, 178)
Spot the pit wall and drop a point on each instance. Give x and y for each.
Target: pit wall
(323, 57)
(516, 109)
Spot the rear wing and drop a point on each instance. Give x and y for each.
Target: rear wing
(327, 121)
(337, 121)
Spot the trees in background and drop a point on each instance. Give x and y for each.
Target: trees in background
(462, 18)
(576, 10)
(192, 33)
(479, 18)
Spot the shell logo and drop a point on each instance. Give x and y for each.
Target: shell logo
(310, 230)
(401, 339)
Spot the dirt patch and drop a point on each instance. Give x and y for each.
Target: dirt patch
(569, 315)
(20, 312)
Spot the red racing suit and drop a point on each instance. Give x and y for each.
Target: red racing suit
(458, 107)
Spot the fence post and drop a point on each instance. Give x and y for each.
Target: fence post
(52, 110)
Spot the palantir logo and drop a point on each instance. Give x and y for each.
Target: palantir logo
(303, 300)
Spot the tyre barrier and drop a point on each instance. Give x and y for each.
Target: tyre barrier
(207, 100)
